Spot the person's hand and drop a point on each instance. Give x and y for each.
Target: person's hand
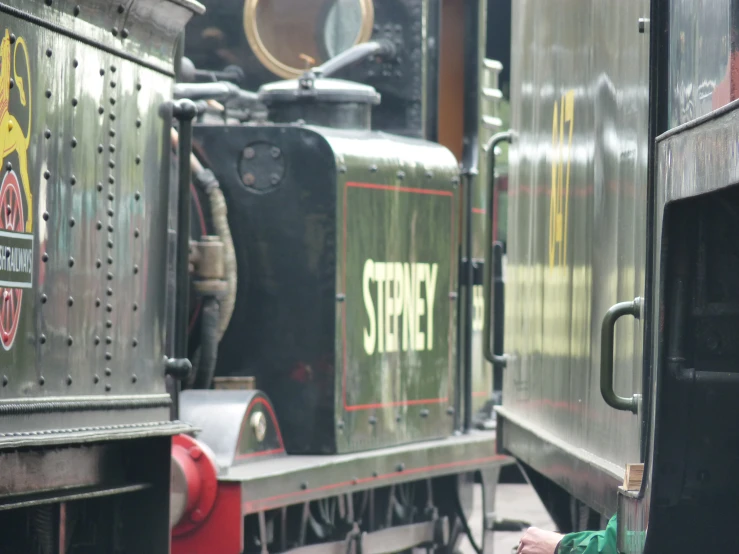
(538, 541)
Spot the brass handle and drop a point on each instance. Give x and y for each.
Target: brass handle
(607, 332)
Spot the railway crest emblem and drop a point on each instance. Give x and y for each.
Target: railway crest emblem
(562, 127)
(16, 199)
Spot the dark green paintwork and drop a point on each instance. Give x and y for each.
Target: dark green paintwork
(416, 342)
(401, 206)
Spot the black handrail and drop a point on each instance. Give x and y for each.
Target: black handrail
(185, 111)
(496, 359)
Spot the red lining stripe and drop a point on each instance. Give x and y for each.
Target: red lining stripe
(391, 188)
(261, 453)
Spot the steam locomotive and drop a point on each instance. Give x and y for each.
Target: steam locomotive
(326, 380)
(242, 314)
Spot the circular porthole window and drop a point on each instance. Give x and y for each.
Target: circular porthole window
(283, 33)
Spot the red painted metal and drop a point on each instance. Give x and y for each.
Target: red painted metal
(13, 220)
(222, 531)
(199, 467)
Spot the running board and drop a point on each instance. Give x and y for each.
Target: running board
(272, 483)
(385, 541)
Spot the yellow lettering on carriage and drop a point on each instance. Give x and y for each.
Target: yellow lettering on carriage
(399, 299)
(563, 125)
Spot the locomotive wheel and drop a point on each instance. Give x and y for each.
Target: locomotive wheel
(404, 505)
(324, 518)
(13, 220)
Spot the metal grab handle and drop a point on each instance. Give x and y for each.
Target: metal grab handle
(178, 368)
(185, 111)
(490, 356)
(607, 332)
(383, 47)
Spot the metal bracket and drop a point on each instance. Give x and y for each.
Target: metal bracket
(606, 355)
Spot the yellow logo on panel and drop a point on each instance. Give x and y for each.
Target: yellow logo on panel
(562, 127)
(16, 216)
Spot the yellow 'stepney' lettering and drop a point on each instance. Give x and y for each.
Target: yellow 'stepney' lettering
(399, 299)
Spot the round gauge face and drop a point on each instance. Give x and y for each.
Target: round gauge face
(288, 36)
(259, 425)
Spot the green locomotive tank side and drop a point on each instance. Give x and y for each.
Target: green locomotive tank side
(352, 268)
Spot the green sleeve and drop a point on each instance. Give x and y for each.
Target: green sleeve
(590, 542)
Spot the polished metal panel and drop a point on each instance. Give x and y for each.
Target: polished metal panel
(696, 158)
(703, 58)
(577, 200)
(140, 31)
(87, 198)
(586, 475)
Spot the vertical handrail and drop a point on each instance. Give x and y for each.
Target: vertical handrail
(179, 367)
(490, 356)
(469, 279)
(470, 155)
(498, 306)
(185, 111)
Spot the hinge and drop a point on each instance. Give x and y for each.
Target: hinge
(478, 270)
